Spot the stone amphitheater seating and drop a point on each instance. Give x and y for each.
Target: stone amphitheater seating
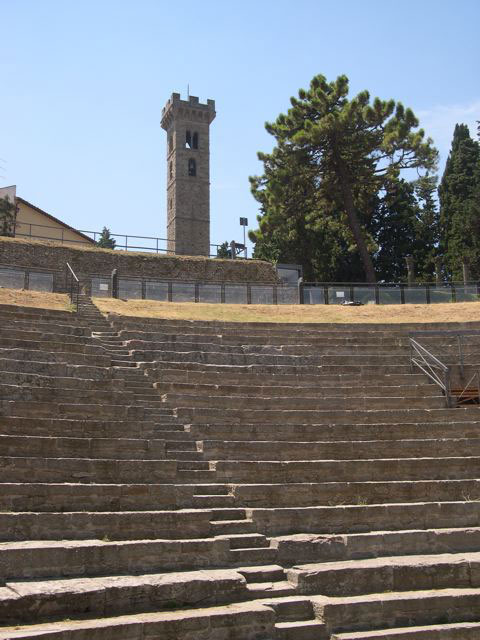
(207, 481)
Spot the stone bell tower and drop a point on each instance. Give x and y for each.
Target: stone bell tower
(187, 123)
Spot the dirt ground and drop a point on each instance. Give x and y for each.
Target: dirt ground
(38, 299)
(459, 312)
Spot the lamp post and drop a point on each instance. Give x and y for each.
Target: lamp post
(244, 224)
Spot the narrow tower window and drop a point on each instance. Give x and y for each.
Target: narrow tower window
(195, 140)
(192, 167)
(188, 140)
(170, 144)
(171, 170)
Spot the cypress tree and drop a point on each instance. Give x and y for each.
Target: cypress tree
(459, 225)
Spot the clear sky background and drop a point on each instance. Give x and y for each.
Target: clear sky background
(83, 84)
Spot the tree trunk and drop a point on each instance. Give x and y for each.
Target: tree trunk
(355, 224)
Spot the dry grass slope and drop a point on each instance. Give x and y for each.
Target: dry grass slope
(460, 312)
(37, 299)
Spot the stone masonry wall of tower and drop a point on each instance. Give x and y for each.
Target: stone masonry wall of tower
(187, 123)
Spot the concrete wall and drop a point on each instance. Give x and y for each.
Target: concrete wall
(88, 261)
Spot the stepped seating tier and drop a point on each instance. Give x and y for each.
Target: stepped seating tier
(184, 480)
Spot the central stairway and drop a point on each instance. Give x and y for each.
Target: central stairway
(224, 481)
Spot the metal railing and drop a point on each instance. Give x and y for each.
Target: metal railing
(72, 284)
(431, 366)
(123, 241)
(441, 372)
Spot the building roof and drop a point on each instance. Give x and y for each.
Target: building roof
(49, 215)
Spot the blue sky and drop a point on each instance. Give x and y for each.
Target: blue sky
(83, 84)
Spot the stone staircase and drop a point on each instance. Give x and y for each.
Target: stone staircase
(193, 480)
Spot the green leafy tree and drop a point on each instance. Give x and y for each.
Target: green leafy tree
(8, 212)
(351, 150)
(105, 240)
(458, 194)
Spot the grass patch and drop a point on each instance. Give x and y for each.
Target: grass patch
(394, 314)
(37, 299)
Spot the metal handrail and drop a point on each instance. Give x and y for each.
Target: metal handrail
(430, 364)
(475, 375)
(71, 276)
(94, 235)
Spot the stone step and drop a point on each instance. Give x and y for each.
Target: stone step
(227, 527)
(286, 391)
(195, 334)
(72, 395)
(383, 360)
(335, 431)
(352, 450)
(382, 610)
(189, 463)
(125, 525)
(103, 470)
(118, 448)
(453, 631)
(304, 494)
(82, 427)
(202, 415)
(186, 457)
(58, 382)
(76, 558)
(254, 555)
(362, 518)
(97, 496)
(374, 469)
(181, 445)
(263, 590)
(300, 630)
(267, 573)
(310, 548)
(245, 540)
(213, 501)
(234, 621)
(245, 376)
(33, 602)
(67, 357)
(85, 410)
(330, 401)
(246, 348)
(54, 369)
(193, 476)
(385, 574)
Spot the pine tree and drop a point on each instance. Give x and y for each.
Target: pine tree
(354, 150)
(105, 240)
(459, 224)
(223, 250)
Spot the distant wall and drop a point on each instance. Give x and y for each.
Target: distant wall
(87, 261)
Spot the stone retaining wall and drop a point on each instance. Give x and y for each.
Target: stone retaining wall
(87, 261)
